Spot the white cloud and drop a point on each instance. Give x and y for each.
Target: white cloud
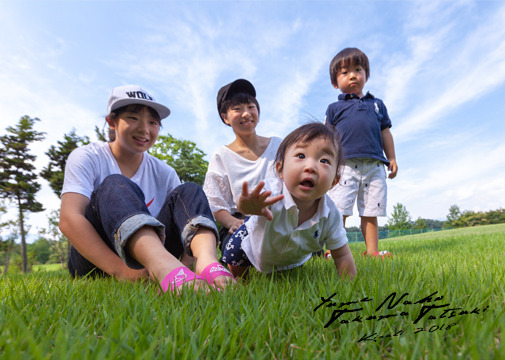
(475, 67)
(471, 179)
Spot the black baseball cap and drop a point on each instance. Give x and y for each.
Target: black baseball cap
(235, 87)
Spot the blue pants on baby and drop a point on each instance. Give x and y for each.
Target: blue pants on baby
(117, 210)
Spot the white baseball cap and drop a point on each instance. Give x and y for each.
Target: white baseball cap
(134, 94)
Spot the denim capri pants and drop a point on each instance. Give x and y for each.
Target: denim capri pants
(117, 210)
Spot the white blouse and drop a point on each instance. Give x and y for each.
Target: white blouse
(228, 170)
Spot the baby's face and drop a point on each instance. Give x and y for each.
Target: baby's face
(351, 79)
(309, 170)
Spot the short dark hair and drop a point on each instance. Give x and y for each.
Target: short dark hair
(236, 99)
(345, 58)
(114, 114)
(307, 133)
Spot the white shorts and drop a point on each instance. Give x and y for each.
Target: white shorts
(364, 179)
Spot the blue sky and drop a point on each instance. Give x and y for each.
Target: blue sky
(439, 66)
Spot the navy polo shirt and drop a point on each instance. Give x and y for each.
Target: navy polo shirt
(359, 123)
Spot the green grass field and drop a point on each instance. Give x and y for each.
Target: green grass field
(46, 267)
(386, 312)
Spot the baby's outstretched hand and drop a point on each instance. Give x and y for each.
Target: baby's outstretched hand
(257, 202)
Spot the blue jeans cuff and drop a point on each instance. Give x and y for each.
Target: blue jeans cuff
(191, 228)
(127, 228)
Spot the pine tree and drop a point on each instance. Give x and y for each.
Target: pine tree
(55, 170)
(17, 173)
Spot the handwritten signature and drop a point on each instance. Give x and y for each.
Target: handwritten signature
(351, 312)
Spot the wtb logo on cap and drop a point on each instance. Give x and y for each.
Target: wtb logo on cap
(139, 95)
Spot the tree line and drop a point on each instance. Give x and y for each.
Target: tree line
(19, 185)
(467, 218)
(400, 219)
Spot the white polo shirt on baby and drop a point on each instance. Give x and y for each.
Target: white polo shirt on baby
(281, 244)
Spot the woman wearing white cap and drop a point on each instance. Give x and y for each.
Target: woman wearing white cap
(126, 213)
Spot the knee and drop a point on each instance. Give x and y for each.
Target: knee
(117, 183)
(369, 220)
(189, 188)
(115, 180)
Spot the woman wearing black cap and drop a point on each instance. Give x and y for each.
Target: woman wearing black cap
(250, 157)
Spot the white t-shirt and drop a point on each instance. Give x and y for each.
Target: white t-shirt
(228, 170)
(281, 244)
(87, 167)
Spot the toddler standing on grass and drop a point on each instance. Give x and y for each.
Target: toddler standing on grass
(362, 122)
(126, 213)
(293, 217)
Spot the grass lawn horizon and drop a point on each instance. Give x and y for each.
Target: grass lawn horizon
(442, 296)
(47, 267)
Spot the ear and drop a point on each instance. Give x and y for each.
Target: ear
(225, 118)
(335, 181)
(278, 168)
(335, 86)
(110, 122)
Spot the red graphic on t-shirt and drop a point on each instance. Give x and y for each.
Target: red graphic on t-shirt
(150, 202)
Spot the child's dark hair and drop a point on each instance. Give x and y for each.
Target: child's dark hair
(135, 108)
(345, 58)
(236, 99)
(306, 133)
